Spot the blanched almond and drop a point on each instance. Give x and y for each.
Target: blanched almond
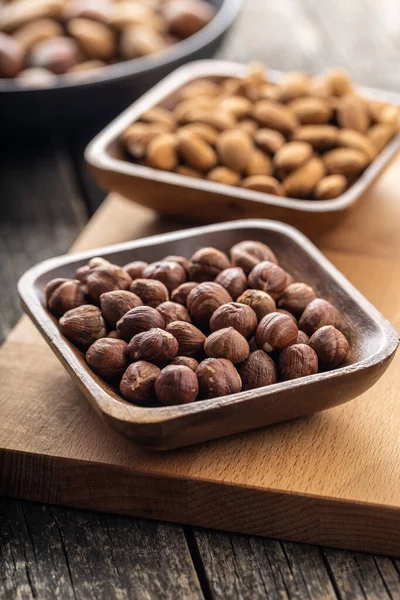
(352, 113)
(321, 137)
(275, 116)
(269, 140)
(381, 134)
(234, 147)
(345, 161)
(224, 175)
(195, 151)
(263, 183)
(96, 39)
(301, 183)
(349, 138)
(311, 111)
(330, 187)
(259, 163)
(292, 155)
(162, 152)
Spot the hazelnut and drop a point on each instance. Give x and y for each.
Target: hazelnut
(207, 263)
(239, 316)
(176, 384)
(181, 293)
(150, 291)
(330, 345)
(268, 277)
(83, 325)
(204, 300)
(186, 17)
(116, 303)
(297, 361)
(171, 311)
(185, 361)
(106, 278)
(190, 339)
(282, 311)
(275, 332)
(137, 383)
(155, 345)
(82, 272)
(261, 302)
(233, 280)
(217, 377)
(137, 320)
(97, 261)
(317, 314)
(296, 297)
(171, 274)
(114, 334)
(135, 269)
(64, 294)
(248, 254)
(108, 357)
(302, 338)
(179, 259)
(227, 343)
(257, 370)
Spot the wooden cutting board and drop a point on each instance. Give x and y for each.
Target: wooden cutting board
(332, 479)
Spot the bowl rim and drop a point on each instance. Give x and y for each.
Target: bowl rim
(97, 156)
(224, 18)
(117, 407)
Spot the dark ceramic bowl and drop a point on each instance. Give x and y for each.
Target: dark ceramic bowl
(113, 87)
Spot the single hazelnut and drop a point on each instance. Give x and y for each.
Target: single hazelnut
(239, 316)
(233, 280)
(179, 259)
(186, 17)
(171, 274)
(114, 334)
(261, 302)
(82, 272)
(190, 339)
(331, 346)
(282, 311)
(83, 325)
(275, 332)
(106, 278)
(108, 357)
(227, 343)
(116, 303)
(138, 381)
(248, 254)
(135, 269)
(181, 293)
(207, 263)
(296, 297)
(150, 291)
(98, 261)
(317, 314)
(204, 300)
(297, 361)
(172, 311)
(185, 361)
(176, 384)
(302, 338)
(268, 277)
(137, 320)
(155, 345)
(64, 294)
(217, 377)
(257, 371)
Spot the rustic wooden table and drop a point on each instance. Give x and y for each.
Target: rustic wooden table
(46, 197)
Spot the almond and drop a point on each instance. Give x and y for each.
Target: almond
(349, 138)
(330, 187)
(339, 83)
(263, 183)
(15, 14)
(258, 163)
(276, 116)
(239, 106)
(184, 109)
(162, 152)
(138, 136)
(206, 132)
(389, 114)
(218, 119)
(157, 114)
(292, 85)
(125, 13)
(352, 113)
(301, 183)
(195, 151)
(224, 175)
(311, 111)
(292, 155)
(234, 147)
(201, 87)
(249, 126)
(381, 134)
(32, 33)
(140, 40)
(321, 137)
(189, 172)
(96, 39)
(345, 161)
(269, 140)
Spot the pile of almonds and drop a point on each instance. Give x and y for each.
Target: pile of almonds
(303, 137)
(40, 39)
(180, 330)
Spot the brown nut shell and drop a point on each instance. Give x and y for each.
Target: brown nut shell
(302, 338)
(269, 140)
(257, 371)
(296, 297)
(207, 263)
(233, 280)
(275, 116)
(108, 357)
(234, 147)
(301, 182)
(117, 303)
(190, 338)
(318, 314)
(234, 314)
(296, 361)
(137, 320)
(217, 377)
(227, 343)
(330, 345)
(64, 294)
(184, 262)
(292, 156)
(172, 311)
(155, 345)
(135, 268)
(150, 291)
(83, 325)
(138, 381)
(268, 277)
(181, 293)
(185, 361)
(275, 332)
(176, 384)
(106, 278)
(204, 300)
(170, 273)
(261, 302)
(248, 254)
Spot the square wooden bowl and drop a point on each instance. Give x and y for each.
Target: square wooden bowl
(207, 201)
(373, 340)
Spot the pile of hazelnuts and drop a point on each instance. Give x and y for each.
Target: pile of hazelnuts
(178, 330)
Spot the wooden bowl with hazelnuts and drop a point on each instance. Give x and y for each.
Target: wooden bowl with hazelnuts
(199, 334)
